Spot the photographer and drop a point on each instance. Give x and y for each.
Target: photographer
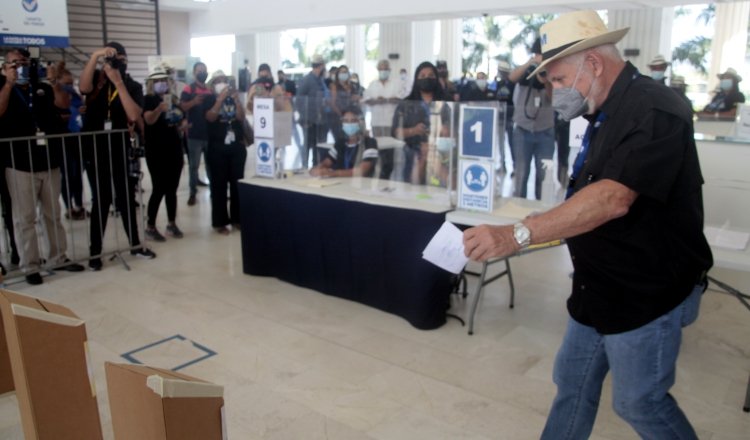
(113, 101)
(226, 151)
(534, 131)
(33, 167)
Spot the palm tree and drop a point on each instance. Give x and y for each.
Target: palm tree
(530, 25)
(694, 51)
(333, 49)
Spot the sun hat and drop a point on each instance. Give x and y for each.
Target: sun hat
(658, 61)
(730, 73)
(317, 59)
(573, 32)
(158, 73)
(503, 66)
(216, 75)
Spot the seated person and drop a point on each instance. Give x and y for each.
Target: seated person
(724, 103)
(356, 148)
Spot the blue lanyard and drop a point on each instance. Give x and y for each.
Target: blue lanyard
(581, 158)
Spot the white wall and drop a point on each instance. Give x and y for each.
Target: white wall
(175, 34)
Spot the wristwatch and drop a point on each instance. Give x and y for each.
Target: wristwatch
(522, 235)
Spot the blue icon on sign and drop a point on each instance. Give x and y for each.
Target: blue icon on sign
(265, 152)
(30, 5)
(476, 178)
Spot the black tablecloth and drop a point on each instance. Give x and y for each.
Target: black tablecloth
(366, 253)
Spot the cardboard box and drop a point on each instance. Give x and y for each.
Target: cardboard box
(51, 371)
(155, 404)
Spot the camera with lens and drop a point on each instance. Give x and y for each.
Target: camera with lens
(113, 62)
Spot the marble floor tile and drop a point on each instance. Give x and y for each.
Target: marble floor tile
(296, 364)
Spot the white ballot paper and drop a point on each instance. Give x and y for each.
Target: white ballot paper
(446, 249)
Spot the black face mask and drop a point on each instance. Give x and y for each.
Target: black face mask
(427, 84)
(201, 76)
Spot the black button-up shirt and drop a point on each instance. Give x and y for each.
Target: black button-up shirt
(635, 268)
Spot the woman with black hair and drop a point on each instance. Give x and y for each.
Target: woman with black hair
(411, 121)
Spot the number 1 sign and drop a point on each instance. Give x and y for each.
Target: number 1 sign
(478, 133)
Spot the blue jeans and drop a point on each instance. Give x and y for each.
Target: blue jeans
(530, 145)
(195, 148)
(642, 362)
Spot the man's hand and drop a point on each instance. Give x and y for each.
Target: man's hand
(484, 242)
(11, 74)
(112, 73)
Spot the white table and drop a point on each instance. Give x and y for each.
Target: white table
(509, 211)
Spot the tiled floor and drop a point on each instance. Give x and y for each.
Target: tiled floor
(297, 364)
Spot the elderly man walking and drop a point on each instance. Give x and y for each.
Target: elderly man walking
(633, 221)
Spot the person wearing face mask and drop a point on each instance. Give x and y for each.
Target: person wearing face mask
(68, 103)
(677, 83)
(411, 121)
(265, 87)
(405, 82)
(164, 119)
(658, 68)
(343, 95)
(113, 102)
(226, 151)
(192, 103)
(504, 89)
(724, 103)
(633, 222)
(356, 154)
(382, 96)
(477, 90)
(534, 118)
(31, 169)
(449, 88)
(309, 104)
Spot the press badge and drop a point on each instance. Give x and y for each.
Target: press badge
(108, 125)
(229, 140)
(537, 101)
(40, 140)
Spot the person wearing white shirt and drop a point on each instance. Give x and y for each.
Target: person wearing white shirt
(382, 96)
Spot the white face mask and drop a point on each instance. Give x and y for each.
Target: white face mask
(482, 84)
(384, 74)
(725, 84)
(219, 87)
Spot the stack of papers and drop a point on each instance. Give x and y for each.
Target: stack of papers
(726, 238)
(446, 249)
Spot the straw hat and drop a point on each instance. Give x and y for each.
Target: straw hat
(573, 32)
(317, 59)
(503, 66)
(217, 75)
(658, 61)
(730, 73)
(158, 73)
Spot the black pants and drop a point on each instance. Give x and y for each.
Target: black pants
(72, 178)
(227, 163)
(314, 134)
(7, 213)
(108, 176)
(165, 171)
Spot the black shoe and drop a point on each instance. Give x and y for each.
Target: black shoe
(143, 253)
(71, 266)
(202, 183)
(14, 258)
(34, 279)
(95, 264)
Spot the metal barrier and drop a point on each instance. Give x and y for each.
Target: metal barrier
(37, 170)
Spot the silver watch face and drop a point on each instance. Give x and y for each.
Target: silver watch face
(522, 234)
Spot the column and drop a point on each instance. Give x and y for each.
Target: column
(422, 44)
(729, 42)
(451, 46)
(396, 39)
(650, 33)
(267, 50)
(355, 48)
